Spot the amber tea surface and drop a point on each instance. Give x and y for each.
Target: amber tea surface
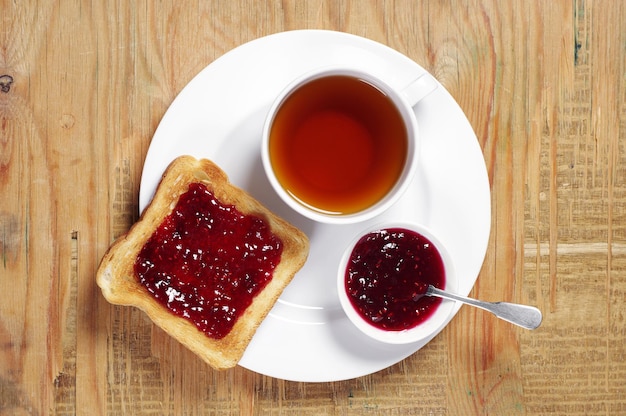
(338, 144)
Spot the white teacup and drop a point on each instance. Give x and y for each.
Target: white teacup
(340, 145)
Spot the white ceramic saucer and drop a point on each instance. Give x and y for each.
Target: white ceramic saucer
(219, 115)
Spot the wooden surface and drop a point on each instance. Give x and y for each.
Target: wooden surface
(83, 87)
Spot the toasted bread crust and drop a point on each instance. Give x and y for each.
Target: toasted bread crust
(116, 275)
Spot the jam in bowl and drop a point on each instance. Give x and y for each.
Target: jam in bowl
(383, 277)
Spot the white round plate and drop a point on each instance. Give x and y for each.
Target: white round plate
(219, 115)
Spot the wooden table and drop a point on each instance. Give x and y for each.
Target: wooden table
(83, 87)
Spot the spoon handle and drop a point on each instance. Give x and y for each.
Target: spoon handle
(525, 316)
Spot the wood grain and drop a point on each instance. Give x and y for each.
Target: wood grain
(83, 86)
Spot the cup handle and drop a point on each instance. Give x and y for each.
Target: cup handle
(419, 88)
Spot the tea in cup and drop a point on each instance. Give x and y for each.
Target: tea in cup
(340, 145)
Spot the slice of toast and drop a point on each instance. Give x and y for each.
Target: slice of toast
(120, 283)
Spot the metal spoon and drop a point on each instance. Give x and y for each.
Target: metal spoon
(525, 316)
